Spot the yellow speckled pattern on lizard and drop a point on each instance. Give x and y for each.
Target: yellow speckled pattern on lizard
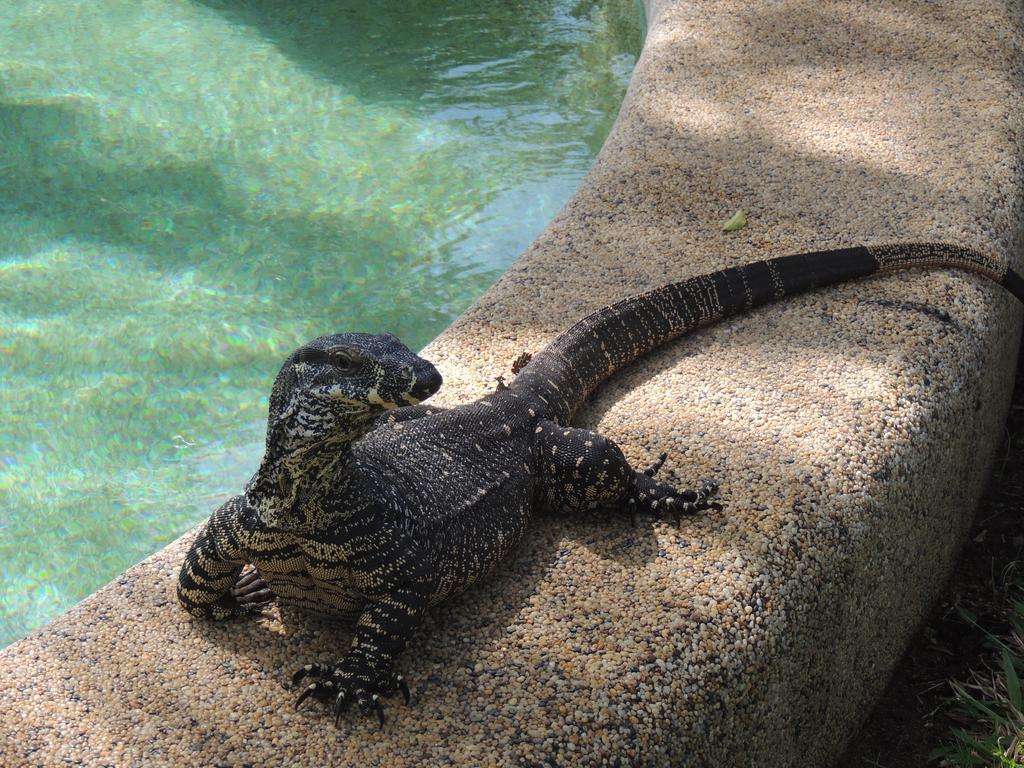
(850, 429)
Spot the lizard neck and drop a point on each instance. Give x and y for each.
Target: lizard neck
(287, 477)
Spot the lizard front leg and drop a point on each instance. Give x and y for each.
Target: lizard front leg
(366, 673)
(208, 584)
(581, 470)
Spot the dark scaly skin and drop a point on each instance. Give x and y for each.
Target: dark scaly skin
(371, 507)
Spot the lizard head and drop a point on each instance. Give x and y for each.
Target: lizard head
(335, 386)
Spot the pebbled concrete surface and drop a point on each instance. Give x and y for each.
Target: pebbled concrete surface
(851, 430)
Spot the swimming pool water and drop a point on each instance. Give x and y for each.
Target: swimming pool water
(191, 188)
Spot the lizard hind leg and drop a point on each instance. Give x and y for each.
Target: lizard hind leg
(581, 470)
(252, 589)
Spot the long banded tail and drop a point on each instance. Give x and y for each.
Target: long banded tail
(563, 374)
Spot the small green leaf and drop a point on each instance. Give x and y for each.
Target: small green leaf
(968, 615)
(1012, 681)
(738, 221)
(984, 713)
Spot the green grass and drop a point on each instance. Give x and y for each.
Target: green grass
(990, 704)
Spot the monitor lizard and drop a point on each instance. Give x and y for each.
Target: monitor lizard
(371, 506)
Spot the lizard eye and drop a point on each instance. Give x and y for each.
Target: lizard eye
(344, 361)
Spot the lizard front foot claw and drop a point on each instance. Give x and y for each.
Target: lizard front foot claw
(346, 683)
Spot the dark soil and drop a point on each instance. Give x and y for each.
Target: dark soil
(913, 718)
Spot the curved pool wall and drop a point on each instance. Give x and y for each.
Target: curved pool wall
(851, 430)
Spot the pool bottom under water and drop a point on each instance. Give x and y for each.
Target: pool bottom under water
(192, 189)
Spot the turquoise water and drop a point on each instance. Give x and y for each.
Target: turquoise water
(191, 188)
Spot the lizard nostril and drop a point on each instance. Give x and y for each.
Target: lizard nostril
(427, 383)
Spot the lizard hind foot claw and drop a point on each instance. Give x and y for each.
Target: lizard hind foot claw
(315, 670)
(341, 703)
(652, 470)
(319, 689)
(661, 499)
(250, 593)
(376, 706)
(520, 362)
(403, 687)
(310, 690)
